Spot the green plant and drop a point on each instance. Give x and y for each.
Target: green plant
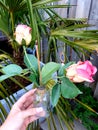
(87, 117)
(28, 12)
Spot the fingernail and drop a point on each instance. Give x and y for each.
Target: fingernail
(35, 89)
(40, 109)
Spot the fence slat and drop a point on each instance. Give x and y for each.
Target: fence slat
(62, 11)
(72, 10)
(83, 8)
(93, 15)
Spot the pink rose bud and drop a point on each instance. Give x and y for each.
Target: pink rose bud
(23, 32)
(82, 71)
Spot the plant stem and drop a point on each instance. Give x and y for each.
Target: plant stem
(37, 52)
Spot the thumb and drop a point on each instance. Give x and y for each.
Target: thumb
(31, 112)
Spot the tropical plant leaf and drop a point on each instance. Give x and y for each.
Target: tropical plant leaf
(56, 6)
(3, 5)
(41, 2)
(3, 110)
(87, 44)
(75, 34)
(2, 95)
(48, 70)
(90, 44)
(68, 89)
(5, 92)
(77, 26)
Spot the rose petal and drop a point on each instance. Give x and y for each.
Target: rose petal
(84, 74)
(71, 71)
(82, 66)
(77, 79)
(94, 70)
(87, 65)
(85, 79)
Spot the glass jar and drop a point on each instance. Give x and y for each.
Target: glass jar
(42, 99)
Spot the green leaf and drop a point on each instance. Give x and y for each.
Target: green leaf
(61, 71)
(31, 62)
(68, 64)
(42, 2)
(3, 77)
(48, 70)
(34, 78)
(55, 94)
(75, 34)
(68, 89)
(55, 6)
(12, 69)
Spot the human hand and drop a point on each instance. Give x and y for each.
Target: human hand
(22, 113)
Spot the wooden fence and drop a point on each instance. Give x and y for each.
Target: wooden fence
(82, 9)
